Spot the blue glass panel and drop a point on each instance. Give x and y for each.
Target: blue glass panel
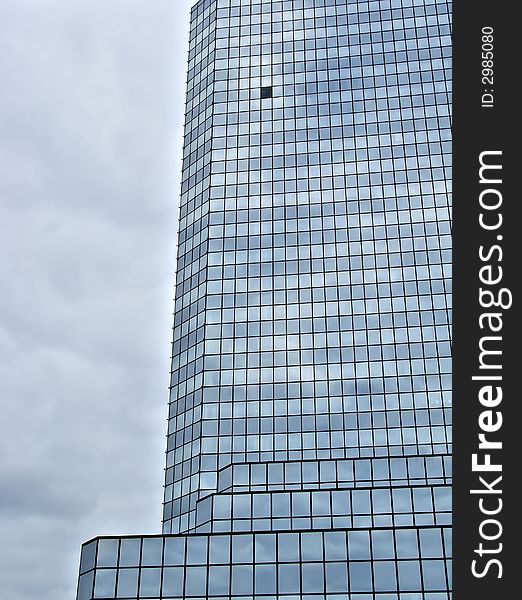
(105, 583)
(107, 553)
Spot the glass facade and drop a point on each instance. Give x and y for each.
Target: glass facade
(381, 564)
(310, 386)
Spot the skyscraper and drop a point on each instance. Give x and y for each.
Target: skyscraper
(308, 451)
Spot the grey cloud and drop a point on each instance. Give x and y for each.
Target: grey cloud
(91, 114)
(55, 500)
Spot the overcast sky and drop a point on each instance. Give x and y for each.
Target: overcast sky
(91, 112)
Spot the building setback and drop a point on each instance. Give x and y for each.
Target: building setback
(309, 435)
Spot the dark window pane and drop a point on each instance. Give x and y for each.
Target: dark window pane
(87, 559)
(85, 586)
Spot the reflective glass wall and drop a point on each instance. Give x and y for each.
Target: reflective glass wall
(312, 309)
(382, 564)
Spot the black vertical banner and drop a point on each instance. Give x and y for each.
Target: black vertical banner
(487, 220)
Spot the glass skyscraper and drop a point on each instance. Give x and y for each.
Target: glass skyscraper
(308, 451)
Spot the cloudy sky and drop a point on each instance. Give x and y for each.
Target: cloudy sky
(91, 112)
